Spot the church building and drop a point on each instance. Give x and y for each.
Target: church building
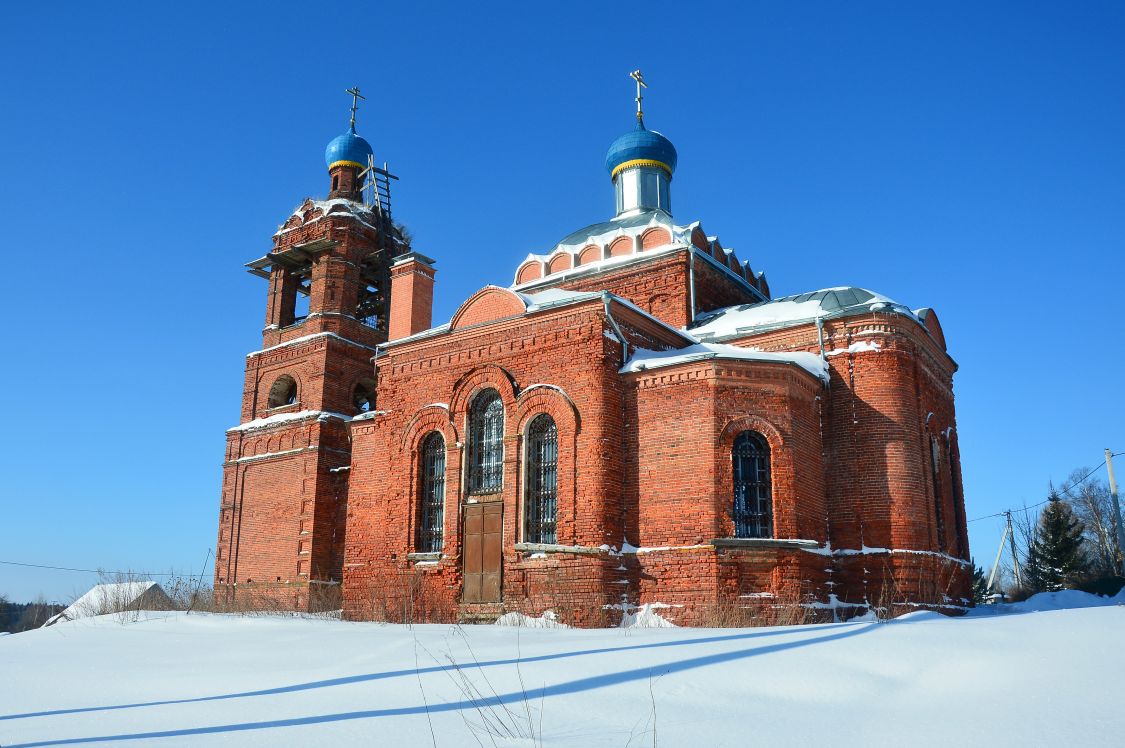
(627, 421)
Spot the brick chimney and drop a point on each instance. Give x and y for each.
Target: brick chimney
(412, 295)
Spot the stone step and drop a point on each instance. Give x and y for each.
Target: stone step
(479, 612)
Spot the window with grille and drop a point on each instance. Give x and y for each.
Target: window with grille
(432, 510)
(753, 494)
(542, 486)
(486, 443)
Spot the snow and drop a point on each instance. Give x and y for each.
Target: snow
(783, 312)
(603, 234)
(360, 212)
(1026, 674)
(555, 296)
(1051, 601)
(262, 423)
(828, 550)
(643, 359)
(104, 598)
(549, 620)
(597, 265)
(857, 347)
(646, 617)
(305, 338)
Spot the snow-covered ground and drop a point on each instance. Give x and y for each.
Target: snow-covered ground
(1029, 674)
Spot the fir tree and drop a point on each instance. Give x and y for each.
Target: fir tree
(980, 586)
(1056, 559)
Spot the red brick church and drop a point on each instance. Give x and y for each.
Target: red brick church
(633, 420)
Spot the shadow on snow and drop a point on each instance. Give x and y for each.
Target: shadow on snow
(560, 689)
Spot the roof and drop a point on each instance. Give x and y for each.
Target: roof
(107, 598)
(620, 225)
(531, 302)
(643, 359)
(789, 311)
(634, 225)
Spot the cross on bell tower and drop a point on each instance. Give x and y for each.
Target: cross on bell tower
(347, 156)
(356, 96)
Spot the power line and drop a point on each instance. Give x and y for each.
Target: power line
(1065, 490)
(96, 571)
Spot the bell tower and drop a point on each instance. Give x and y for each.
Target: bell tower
(285, 474)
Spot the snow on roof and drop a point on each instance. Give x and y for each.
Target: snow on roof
(261, 423)
(533, 302)
(555, 297)
(841, 301)
(106, 598)
(337, 206)
(643, 359)
(631, 225)
(306, 338)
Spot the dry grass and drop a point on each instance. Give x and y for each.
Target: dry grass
(787, 608)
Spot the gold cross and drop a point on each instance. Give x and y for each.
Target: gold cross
(640, 79)
(354, 91)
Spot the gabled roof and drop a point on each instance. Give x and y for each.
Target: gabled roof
(110, 598)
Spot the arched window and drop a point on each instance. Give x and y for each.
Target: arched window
(431, 515)
(541, 490)
(753, 494)
(958, 503)
(486, 443)
(935, 475)
(283, 392)
(363, 396)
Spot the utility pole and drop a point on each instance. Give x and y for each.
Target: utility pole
(1116, 509)
(999, 552)
(1015, 557)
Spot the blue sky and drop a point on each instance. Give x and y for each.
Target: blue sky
(963, 156)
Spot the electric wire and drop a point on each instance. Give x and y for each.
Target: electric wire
(1064, 489)
(98, 571)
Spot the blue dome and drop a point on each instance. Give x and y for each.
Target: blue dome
(348, 148)
(641, 147)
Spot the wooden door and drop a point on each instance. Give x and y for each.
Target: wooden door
(484, 525)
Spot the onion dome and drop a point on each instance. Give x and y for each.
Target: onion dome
(348, 149)
(640, 148)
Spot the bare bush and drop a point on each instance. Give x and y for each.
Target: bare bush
(405, 597)
(927, 590)
(789, 607)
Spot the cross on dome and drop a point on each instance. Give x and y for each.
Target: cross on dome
(356, 96)
(639, 77)
(349, 149)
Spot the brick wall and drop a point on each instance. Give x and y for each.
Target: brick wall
(863, 513)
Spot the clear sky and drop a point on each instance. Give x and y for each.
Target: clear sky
(963, 156)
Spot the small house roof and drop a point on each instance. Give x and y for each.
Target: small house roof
(107, 598)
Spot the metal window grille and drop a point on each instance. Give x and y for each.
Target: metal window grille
(753, 494)
(431, 517)
(486, 444)
(541, 499)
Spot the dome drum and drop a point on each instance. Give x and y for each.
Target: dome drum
(641, 164)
